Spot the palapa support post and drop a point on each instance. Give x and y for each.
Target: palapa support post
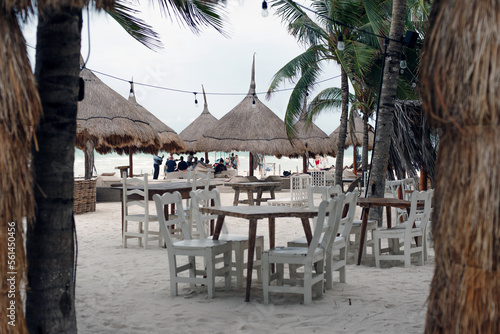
(250, 155)
(130, 163)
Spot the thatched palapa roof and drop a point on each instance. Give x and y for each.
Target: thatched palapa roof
(200, 125)
(355, 133)
(250, 127)
(315, 139)
(169, 140)
(111, 122)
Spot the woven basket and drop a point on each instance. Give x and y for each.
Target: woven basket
(84, 196)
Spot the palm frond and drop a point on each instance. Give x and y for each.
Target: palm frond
(196, 14)
(134, 26)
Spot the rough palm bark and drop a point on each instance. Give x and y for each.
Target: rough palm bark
(339, 163)
(364, 153)
(386, 112)
(50, 303)
(460, 76)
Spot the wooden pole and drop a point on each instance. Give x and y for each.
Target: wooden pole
(304, 162)
(250, 155)
(354, 165)
(423, 179)
(130, 163)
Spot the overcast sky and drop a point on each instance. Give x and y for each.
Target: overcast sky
(222, 65)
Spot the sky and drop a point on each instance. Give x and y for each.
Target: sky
(188, 61)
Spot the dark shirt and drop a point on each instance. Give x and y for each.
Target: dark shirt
(182, 165)
(170, 165)
(220, 168)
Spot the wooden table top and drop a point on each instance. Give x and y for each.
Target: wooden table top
(373, 202)
(260, 212)
(254, 185)
(168, 186)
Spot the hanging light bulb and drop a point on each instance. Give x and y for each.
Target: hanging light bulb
(403, 63)
(195, 100)
(265, 11)
(253, 101)
(340, 43)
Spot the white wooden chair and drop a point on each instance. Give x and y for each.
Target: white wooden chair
(136, 212)
(195, 179)
(339, 242)
(298, 192)
(427, 236)
(213, 252)
(312, 258)
(407, 232)
(318, 178)
(203, 198)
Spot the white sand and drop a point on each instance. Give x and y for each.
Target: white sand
(127, 290)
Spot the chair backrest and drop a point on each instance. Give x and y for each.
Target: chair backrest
(419, 214)
(408, 187)
(179, 218)
(350, 200)
(298, 187)
(394, 187)
(318, 178)
(196, 178)
(327, 225)
(142, 202)
(324, 192)
(203, 199)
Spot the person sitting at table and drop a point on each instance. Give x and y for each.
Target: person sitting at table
(182, 165)
(220, 167)
(170, 166)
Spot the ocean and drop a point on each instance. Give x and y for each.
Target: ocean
(143, 163)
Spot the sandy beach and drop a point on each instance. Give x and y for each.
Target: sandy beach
(126, 290)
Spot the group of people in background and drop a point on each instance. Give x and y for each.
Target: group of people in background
(321, 162)
(192, 162)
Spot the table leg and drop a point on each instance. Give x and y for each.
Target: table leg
(259, 196)
(307, 229)
(123, 218)
(271, 192)
(272, 234)
(389, 216)
(218, 227)
(252, 231)
(364, 223)
(236, 197)
(250, 197)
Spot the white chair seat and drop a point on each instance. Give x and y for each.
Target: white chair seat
(213, 252)
(240, 243)
(407, 232)
(311, 258)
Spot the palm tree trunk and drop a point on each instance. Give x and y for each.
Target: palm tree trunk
(461, 96)
(50, 303)
(386, 113)
(339, 163)
(364, 154)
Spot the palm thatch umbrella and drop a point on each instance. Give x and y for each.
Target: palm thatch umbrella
(20, 109)
(250, 127)
(200, 125)
(107, 122)
(315, 139)
(355, 135)
(169, 140)
(460, 94)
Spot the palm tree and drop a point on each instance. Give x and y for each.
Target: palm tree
(322, 37)
(50, 298)
(459, 91)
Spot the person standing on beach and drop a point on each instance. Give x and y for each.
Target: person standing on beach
(157, 161)
(170, 165)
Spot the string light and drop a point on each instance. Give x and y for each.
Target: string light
(253, 101)
(265, 11)
(403, 63)
(340, 43)
(195, 100)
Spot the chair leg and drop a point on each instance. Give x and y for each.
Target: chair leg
(227, 264)
(307, 285)
(258, 250)
(319, 286)
(173, 275)
(265, 277)
(328, 271)
(239, 254)
(210, 261)
(145, 235)
(376, 250)
(343, 259)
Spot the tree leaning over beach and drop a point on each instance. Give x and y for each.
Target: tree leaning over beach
(460, 82)
(51, 239)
